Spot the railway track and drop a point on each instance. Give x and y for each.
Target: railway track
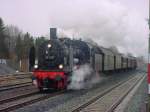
(15, 76)
(17, 94)
(13, 81)
(108, 100)
(19, 101)
(15, 86)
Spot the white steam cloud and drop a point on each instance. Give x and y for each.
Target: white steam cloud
(120, 23)
(107, 22)
(83, 78)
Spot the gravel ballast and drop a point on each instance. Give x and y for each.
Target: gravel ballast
(137, 102)
(65, 102)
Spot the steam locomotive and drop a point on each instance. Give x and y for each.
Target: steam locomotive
(58, 57)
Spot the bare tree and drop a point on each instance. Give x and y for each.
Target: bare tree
(12, 33)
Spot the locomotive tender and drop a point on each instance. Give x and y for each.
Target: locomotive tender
(58, 57)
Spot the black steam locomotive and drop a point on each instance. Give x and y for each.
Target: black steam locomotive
(57, 58)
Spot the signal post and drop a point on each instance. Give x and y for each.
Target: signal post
(148, 73)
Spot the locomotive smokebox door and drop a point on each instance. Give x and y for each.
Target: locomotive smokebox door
(53, 33)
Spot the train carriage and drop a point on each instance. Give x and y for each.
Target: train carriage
(134, 63)
(118, 61)
(129, 64)
(124, 61)
(108, 57)
(96, 60)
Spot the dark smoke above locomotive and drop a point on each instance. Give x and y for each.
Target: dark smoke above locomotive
(58, 57)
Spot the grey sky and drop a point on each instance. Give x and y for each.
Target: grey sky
(109, 22)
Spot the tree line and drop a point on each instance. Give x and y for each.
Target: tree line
(14, 44)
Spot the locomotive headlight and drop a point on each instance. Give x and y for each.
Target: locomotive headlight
(49, 45)
(35, 66)
(60, 66)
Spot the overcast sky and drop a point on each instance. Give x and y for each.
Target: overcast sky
(108, 22)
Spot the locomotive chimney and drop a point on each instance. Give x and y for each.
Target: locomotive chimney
(53, 33)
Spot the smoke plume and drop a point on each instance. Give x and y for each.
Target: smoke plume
(83, 78)
(120, 23)
(107, 22)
